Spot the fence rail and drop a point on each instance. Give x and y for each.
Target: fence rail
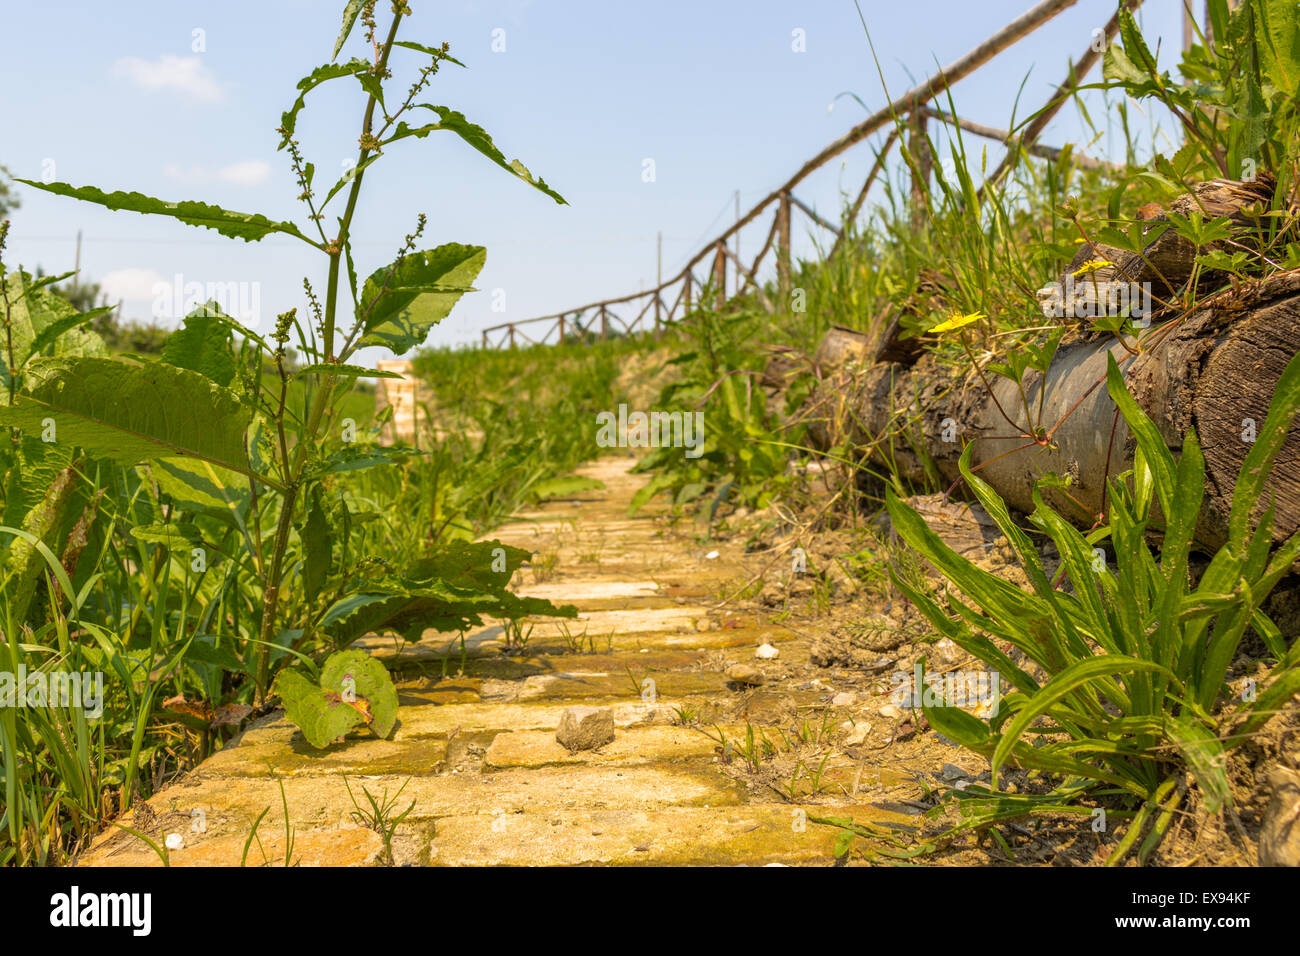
(650, 310)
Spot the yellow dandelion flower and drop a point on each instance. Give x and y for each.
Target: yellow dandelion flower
(957, 321)
(1092, 265)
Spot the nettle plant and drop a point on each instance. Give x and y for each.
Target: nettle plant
(243, 446)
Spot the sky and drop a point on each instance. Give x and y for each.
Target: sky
(180, 100)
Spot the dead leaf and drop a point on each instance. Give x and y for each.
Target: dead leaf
(230, 715)
(197, 709)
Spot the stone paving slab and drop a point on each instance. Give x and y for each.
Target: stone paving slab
(475, 747)
(533, 748)
(753, 835)
(231, 804)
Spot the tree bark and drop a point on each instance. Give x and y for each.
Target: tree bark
(1215, 370)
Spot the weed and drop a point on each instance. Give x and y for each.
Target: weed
(378, 816)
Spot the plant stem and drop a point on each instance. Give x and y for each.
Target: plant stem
(271, 592)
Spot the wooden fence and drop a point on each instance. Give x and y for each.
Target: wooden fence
(706, 274)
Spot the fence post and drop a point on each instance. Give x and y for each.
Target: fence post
(561, 330)
(687, 296)
(485, 340)
(659, 274)
(512, 335)
(604, 323)
(783, 246)
(720, 274)
(919, 146)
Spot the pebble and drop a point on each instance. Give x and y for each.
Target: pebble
(766, 652)
(745, 674)
(585, 728)
(844, 699)
(175, 841)
(711, 555)
(890, 711)
(858, 735)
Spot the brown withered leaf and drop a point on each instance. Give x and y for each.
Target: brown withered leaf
(197, 709)
(230, 715)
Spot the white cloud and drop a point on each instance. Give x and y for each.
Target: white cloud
(251, 172)
(184, 74)
(131, 284)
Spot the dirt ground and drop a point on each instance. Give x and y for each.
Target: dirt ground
(863, 636)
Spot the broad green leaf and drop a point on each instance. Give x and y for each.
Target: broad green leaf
(322, 74)
(345, 371)
(174, 537)
(1117, 65)
(357, 457)
(59, 327)
(550, 488)
(237, 225)
(402, 302)
(434, 52)
(203, 345)
(372, 682)
(38, 318)
(28, 557)
(317, 547)
(350, 13)
(452, 590)
(132, 413)
(1134, 45)
(1278, 29)
(477, 137)
(194, 485)
(322, 718)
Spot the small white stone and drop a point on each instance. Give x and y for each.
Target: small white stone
(844, 699)
(174, 841)
(766, 652)
(711, 555)
(890, 711)
(858, 735)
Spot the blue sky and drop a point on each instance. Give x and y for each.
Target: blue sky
(714, 92)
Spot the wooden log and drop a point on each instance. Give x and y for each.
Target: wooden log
(841, 346)
(1214, 370)
(1164, 266)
